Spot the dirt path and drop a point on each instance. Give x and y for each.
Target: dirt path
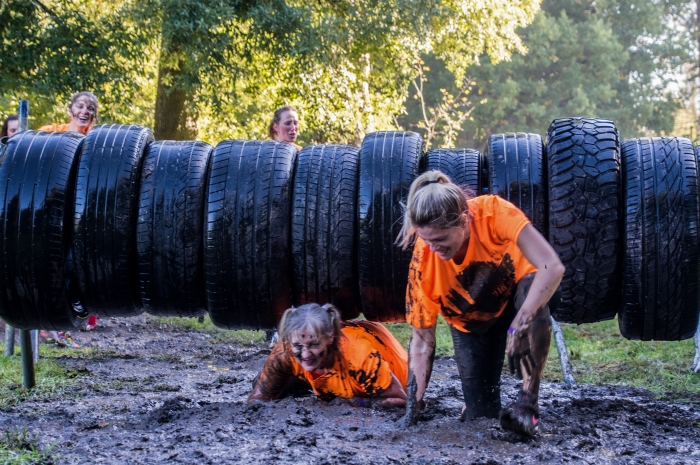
(174, 396)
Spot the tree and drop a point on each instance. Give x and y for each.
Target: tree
(604, 58)
(224, 65)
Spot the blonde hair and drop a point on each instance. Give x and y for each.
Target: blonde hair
(276, 119)
(318, 320)
(435, 201)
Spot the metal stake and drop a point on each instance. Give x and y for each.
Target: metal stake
(9, 340)
(25, 345)
(563, 353)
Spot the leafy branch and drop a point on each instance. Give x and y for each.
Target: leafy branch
(447, 117)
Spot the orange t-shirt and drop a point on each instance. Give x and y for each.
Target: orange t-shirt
(473, 294)
(57, 127)
(368, 355)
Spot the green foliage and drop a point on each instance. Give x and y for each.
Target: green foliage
(19, 447)
(346, 65)
(613, 59)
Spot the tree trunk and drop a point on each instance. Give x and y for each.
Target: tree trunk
(172, 120)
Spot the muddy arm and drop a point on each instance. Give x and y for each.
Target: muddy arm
(393, 396)
(274, 376)
(550, 270)
(421, 354)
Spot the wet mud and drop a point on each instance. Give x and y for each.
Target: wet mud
(167, 395)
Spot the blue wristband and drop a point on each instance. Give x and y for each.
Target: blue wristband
(361, 401)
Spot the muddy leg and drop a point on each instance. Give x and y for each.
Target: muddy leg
(522, 416)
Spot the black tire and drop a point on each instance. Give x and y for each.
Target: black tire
(388, 165)
(170, 228)
(324, 218)
(584, 217)
(37, 179)
(246, 246)
(661, 249)
(516, 173)
(106, 208)
(463, 166)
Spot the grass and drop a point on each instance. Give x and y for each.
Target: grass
(600, 355)
(52, 378)
(19, 448)
(219, 335)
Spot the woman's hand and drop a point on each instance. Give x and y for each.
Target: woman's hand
(421, 354)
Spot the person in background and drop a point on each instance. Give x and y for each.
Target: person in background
(284, 126)
(82, 111)
(358, 362)
(493, 277)
(10, 126)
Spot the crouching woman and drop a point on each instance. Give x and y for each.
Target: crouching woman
(355, 360)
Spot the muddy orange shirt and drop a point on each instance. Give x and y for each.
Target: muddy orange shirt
(369, 354)
(56, 127)
(473, 294)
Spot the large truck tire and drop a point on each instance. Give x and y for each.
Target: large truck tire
(516, 173)
(106, 210)
(246, 244)
(388, 165)
(661, 248)
(463, 166)
(584, 192)
(170, 228)
(37, 182)
(324, 219)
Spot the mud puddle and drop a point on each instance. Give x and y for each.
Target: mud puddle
(168, 395)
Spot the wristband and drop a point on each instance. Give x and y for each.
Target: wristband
(361, 401)
(511, 331)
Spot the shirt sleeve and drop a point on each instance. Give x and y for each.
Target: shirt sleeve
(276, 372)
(421, 311)
(508, 221)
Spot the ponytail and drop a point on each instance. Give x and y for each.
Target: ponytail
(435, 201)
(318, 320)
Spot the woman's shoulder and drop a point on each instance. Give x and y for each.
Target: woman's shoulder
(54, 127)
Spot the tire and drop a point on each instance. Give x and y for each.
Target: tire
(463, 166)
(388, 165)
(37, 179)
(170, 228)
(106, 208)
(246, 245)
(516, 174)
(324, 217)
(661, 249)
(584, 219)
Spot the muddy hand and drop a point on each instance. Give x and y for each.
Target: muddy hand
(519, 356)
(412, 414)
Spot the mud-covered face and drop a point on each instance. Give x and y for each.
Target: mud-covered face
(82, 112)
(287, 129)
(445, 242)
(311, 350)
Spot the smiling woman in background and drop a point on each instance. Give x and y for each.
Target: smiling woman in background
(83, 114)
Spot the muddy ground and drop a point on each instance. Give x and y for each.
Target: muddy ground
(168, 395)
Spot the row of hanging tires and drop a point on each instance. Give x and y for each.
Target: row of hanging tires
(122, 223)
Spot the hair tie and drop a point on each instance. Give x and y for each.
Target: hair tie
(433, 182)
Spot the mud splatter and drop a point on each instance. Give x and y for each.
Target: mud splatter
(208, 421)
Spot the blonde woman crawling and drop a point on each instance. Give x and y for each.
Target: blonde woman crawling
(359, 361)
